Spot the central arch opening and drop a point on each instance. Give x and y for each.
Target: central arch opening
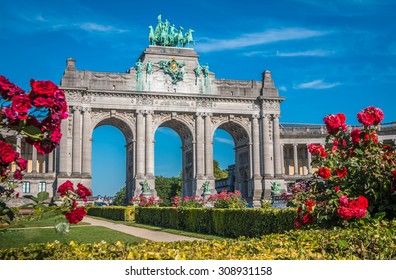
(231, 148)
(108, 161)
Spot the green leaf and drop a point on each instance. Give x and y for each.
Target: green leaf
(42, 196)
(343, 243)
(32, 131)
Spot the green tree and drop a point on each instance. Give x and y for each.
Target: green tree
(167, 188)
(120, 197)
(219, 173)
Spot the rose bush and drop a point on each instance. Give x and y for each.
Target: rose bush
(355, 178)
(228, 200)
(144, 201)
(36, 117)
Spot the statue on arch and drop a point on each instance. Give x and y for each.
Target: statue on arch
(206, 188)
(145, 188)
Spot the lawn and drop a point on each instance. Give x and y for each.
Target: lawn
(40, 229)
(16, 238)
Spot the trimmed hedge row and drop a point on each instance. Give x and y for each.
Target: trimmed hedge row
(373, 242)
(223, 222)
(116, 213)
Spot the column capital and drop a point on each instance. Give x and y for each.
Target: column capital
(148, 112)
(255, 116)
(295, 144)
(76, 108)
(86, 110)
(276, 116)
(139, 112)
(199, 114)
(207, 114)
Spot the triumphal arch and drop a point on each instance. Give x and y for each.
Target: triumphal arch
(168, 87)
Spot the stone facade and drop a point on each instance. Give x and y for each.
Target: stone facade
(168, 88)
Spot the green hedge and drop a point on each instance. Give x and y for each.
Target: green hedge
(222, 222)
(116, 213)
(372, 242)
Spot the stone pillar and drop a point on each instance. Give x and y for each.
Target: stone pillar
(19, 144)
(86, 144)
(50, 168)
(34, 160)
(149, 146)
(266, 146)
(282, 155)
(256, 147)
(208, 147)
(199, 146)
(309, 161)
(76, 167)
(140, 145)
(277, 152)
(295, 159)
(63, 158)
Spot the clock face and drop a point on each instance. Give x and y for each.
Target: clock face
(173, 66)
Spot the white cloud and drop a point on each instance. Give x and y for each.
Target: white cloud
(317, 84)
(95, 27)
(306, 53)
(224, 140)
(253, 39)
(282, 88)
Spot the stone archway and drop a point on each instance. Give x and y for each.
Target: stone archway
(242, 176)
(184, 129)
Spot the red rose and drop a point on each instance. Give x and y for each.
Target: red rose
(370, 116)
(76, 215)
(21, 105)
(341, 172)
(394, 174)
(344, 201)
(310, 204)
(317, 150)
(22, 163)
(337, 189)
(345, 213)
(360, 203)
(307, 219)
(46, 88)
(355, 134)
(8, 89)
(335, 123)
(7, 153)
(324, 172)
(66, 186)
(83, 192)
(18, 174)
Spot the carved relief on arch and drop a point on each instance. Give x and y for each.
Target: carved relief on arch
(182, 124)
(124, 121)
(237, 126)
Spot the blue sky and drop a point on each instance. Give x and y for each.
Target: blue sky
(325, 56)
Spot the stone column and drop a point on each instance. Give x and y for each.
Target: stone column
(208, 147)
(19, 144)
(266, 146)
(86, 144)
(199, 146)
(140, 145)
(63, 158)
(76, 167)
(149, 146)
(50, 168)
(34, 160)
(282, 147)
(256, 147)
(277, 152)
(295, 159)
(309, 161)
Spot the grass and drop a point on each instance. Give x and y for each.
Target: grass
(168, 230)
(16, 238)
(45, 219)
